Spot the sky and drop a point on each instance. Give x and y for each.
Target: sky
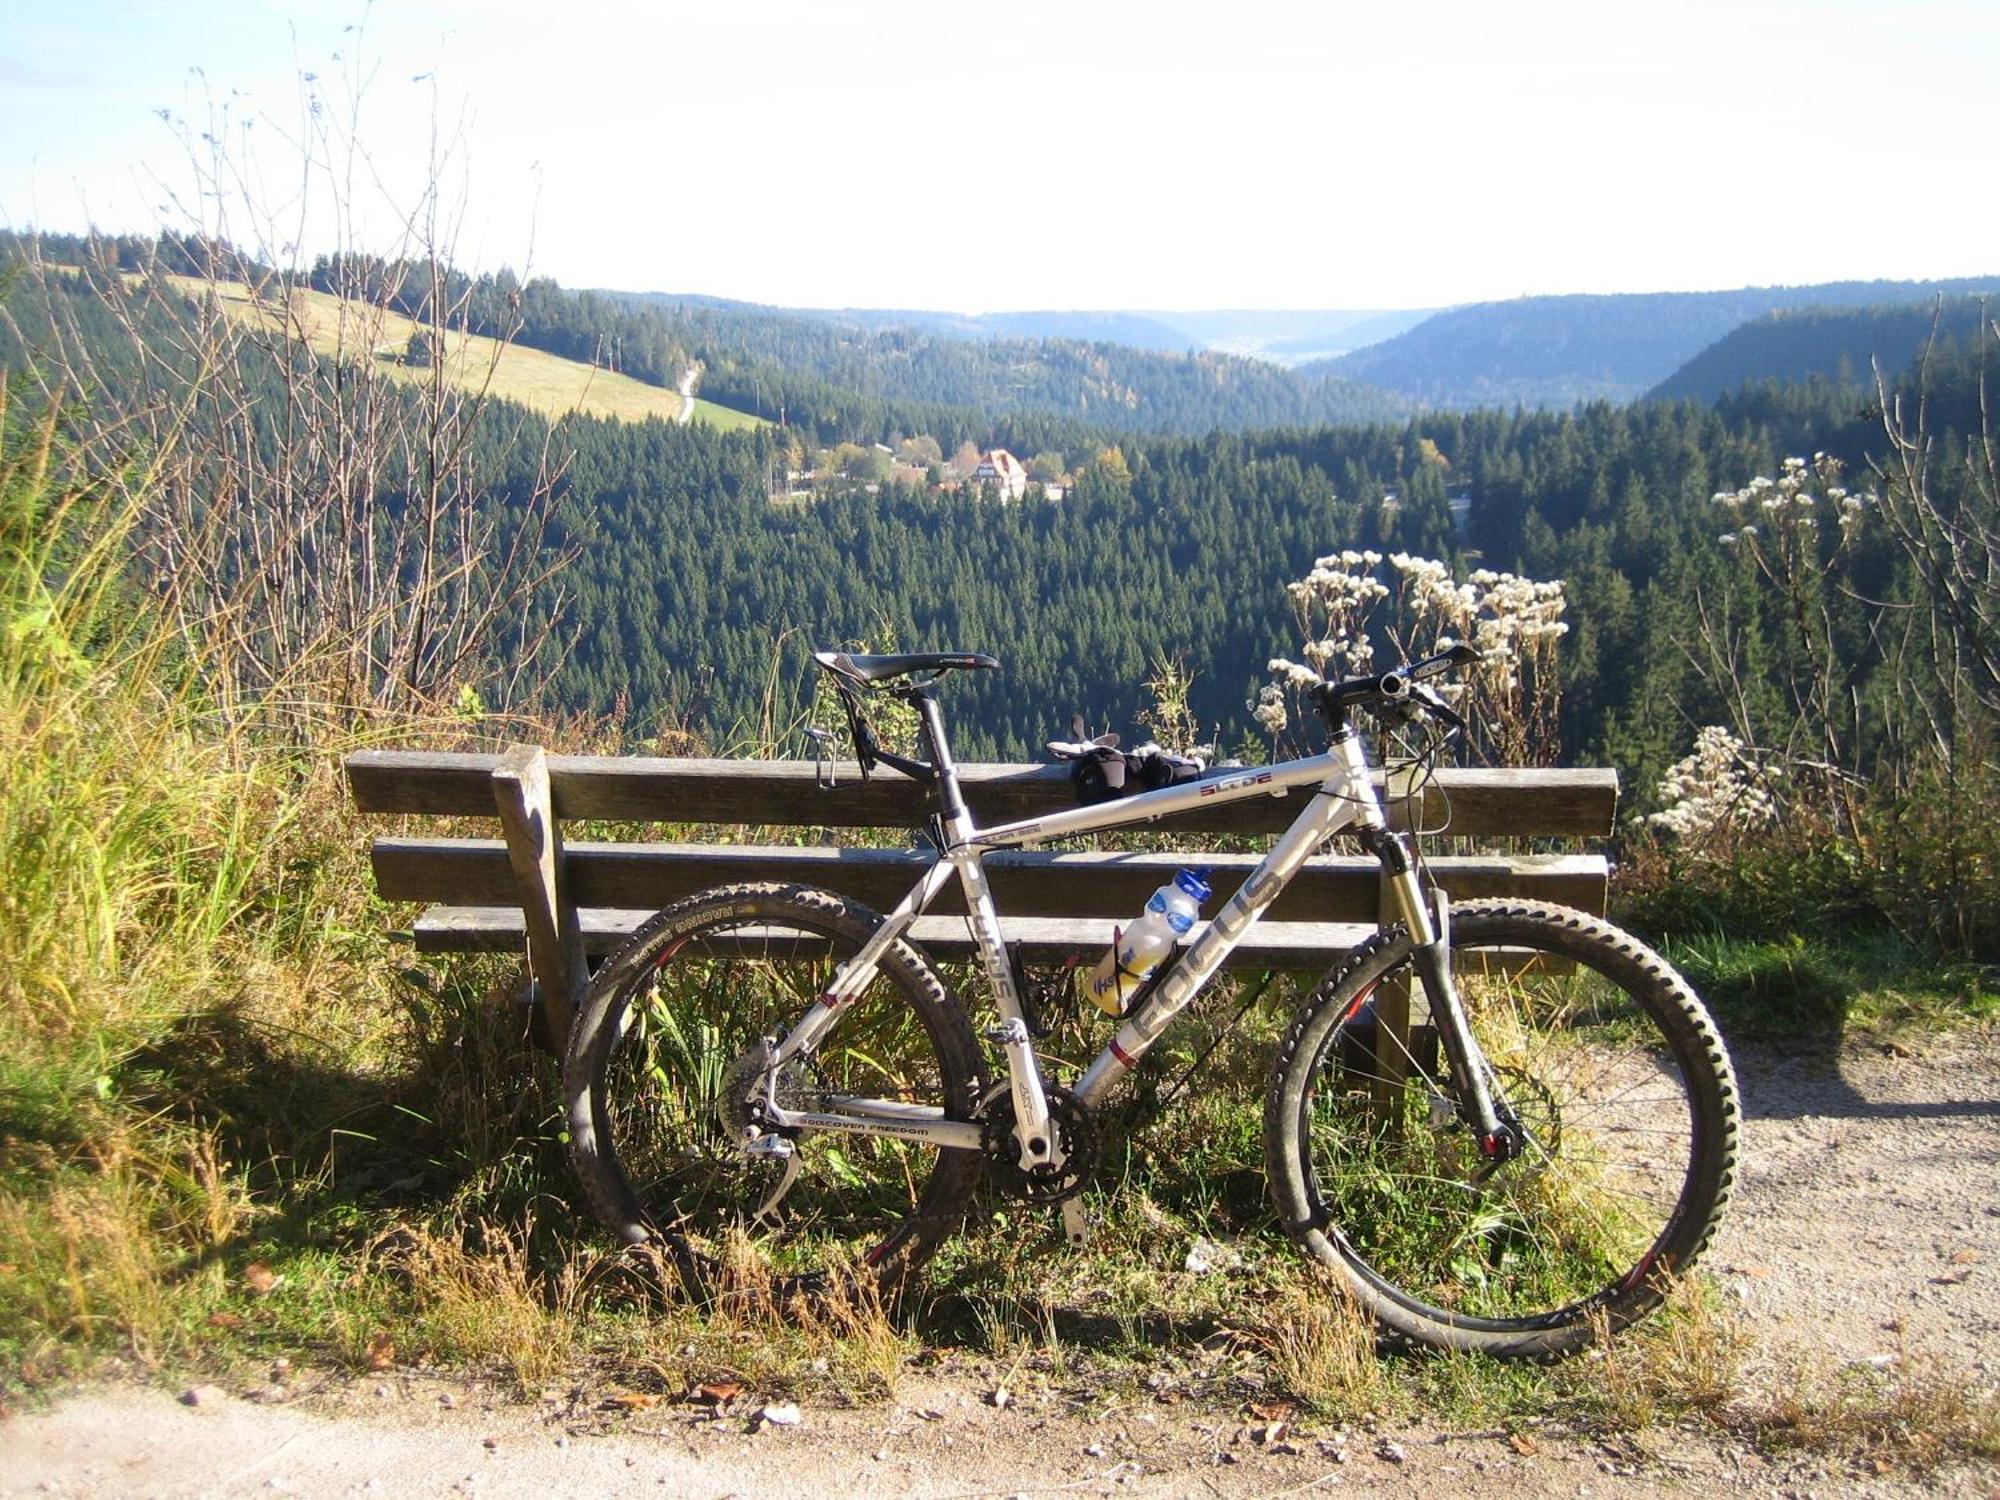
(1042, 154)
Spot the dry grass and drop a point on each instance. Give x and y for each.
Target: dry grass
(342, 329)
(1322, 1350)
(1912, 1417)
(1685, 1360)
(489, 1306)
(119, 1247)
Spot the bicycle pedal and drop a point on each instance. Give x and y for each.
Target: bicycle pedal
(1076, 1223)
(774, 1147)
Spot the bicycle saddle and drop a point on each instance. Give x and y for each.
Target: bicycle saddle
(885, 668)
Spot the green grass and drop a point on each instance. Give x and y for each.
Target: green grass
(343, 329)
(1821, 988)
(728, 418)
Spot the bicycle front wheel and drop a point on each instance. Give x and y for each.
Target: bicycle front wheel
(671, 1045)
(1613, 1069)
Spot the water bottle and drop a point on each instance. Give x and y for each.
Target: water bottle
(1168, 917)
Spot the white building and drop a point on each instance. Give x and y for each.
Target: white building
(1004, 472)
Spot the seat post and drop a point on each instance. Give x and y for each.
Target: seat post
(951, 802)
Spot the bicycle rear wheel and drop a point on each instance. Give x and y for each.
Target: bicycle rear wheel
(1610, 1063)
(669, 1045)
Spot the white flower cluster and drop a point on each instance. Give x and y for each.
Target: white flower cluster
(1506, 617)
(1338, 596)
(1292, 674)
(1788, 503)
(1333, 603)
(1499, 613)
(1269, 708)
(1339, 582)
(1721, 785)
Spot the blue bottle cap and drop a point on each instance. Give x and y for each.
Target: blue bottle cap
(1194, 884)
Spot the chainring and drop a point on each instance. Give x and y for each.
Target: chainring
(1075, 1131)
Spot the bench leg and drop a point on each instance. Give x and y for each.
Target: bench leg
(534, 850)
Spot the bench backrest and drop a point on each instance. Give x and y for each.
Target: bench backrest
(1512, 803)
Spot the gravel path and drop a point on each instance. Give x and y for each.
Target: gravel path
(1867, 1229)
(1869, 1218)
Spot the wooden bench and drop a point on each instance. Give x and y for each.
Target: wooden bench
(562, 901)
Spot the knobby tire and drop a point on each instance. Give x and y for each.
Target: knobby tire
(1612, 1064)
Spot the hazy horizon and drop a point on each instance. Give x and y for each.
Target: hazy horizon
(1049, 155)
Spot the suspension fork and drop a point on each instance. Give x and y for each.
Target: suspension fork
(1430, 955)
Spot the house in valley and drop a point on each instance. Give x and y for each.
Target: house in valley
(1003, 471)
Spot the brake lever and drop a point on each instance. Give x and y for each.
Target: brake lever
(1434, 704)
(1459, 654)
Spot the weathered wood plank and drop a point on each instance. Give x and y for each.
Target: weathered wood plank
(1043, 940)
(1554, 803)
(1028, 884)
(1298, 947)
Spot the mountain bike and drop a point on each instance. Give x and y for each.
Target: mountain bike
(1523, 1160)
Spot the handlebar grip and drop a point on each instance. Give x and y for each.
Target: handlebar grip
(1456, 655)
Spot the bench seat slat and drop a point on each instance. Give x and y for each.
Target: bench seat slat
(1480, 803)
(1295, 947)
(1043, 940)
(476, 872)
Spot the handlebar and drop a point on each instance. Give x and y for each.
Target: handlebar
(1401, 687)
(1399, 691)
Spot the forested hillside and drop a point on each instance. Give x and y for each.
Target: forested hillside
(846, 382)
(694, 594)
(1556, 351)
(1840, 345)
(836, 380)
(694, 598)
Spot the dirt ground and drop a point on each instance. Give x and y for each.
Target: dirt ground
(1866, 1230)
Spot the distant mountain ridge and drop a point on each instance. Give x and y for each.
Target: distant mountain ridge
(1557, 351)
(1839, 345)
(784, 362)
(1134, 330)
(1283, 336)
(1190, 372)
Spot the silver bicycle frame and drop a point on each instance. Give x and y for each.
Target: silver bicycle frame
(1346, 797)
